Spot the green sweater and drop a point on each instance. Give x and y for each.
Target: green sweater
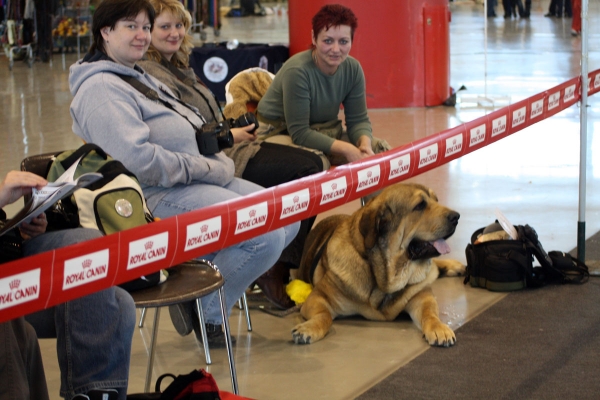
(302, 95)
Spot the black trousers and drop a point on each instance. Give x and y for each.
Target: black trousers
(43, 13)
(275, 164)
(560, 8)
(511, 7)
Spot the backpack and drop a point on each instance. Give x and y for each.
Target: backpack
(507, 265)
(111, 204)
(197, 385)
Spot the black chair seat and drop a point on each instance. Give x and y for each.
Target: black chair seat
(186, 282)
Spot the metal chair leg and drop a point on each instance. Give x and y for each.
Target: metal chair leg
(152, 347)
(142, 317)
(244, 300)
(363, 201)
(203, 331)
(227, 333)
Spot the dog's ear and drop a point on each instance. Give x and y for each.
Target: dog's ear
(375, 222)
(368, 227)
(432, 194)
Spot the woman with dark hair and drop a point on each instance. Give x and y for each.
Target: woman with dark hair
(156, 139)
(266, 164)
(305, 96)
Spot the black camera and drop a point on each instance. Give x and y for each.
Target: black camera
(244, 120)
(216, 136)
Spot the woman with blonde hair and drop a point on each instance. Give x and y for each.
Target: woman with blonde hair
(266, 164)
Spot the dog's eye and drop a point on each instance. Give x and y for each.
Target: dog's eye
(421, 206)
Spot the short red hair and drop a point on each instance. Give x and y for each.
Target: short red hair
(334, 15)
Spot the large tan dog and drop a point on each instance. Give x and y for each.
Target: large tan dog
(379, 262)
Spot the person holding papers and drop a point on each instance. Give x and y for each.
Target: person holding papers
(94, 362)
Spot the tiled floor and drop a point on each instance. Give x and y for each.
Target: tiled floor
(532, 177)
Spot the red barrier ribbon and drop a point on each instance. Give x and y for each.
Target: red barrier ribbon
(44, 280)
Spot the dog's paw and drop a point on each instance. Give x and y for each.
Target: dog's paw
(440, 335)
(305, 334)
(449, 267)
(301, 335)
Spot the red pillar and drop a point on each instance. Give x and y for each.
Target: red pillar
(402, 45)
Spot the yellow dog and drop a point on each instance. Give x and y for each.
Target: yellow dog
(378, 262)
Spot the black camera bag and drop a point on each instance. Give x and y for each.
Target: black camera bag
(507, 265)
(10, 243)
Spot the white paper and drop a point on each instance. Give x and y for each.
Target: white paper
(44, 198)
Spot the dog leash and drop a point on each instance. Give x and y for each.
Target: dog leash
(317, 258)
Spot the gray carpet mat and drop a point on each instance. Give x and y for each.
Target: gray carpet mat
(533, 344)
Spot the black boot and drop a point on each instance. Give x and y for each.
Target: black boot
(215, 334)
(273, 282)
(181, 317)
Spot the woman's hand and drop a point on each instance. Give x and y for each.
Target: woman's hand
(364, 145)
(36, 227)
(243, 134)
(350, 152)
(18, 183)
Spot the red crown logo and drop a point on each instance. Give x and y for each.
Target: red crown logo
(148, 245)
(204, 228)
(252, 213)
(400, 162)
(15, 284)
(296, 199)
(369, 174)
(454, 141)
(428, 151)
(334, 186)
(87, 263)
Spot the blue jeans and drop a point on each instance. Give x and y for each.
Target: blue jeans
(94, 332)
(240, 264)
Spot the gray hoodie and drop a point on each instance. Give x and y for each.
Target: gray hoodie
(152, 141)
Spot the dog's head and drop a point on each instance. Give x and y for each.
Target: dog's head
(409, 219)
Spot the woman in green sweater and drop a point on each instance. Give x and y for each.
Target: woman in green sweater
(307, 92)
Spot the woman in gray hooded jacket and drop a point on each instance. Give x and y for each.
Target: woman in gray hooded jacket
(156, 140)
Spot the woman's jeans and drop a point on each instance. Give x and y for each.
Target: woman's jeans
(240, 264)
(93, 332)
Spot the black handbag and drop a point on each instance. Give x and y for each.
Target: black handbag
(507, 265)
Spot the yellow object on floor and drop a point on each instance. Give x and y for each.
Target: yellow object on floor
(298, 290)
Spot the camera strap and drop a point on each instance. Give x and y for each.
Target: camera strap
(152, 95)
(190, 82)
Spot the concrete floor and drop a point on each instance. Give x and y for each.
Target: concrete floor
(531, 176)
